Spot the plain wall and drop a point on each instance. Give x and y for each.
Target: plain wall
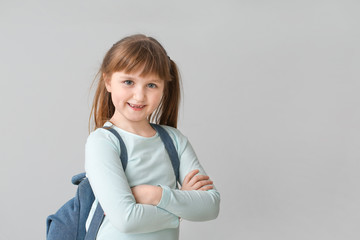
(271, 106)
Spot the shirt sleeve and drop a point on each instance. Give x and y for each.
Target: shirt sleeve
(110, 186)
(190, 205)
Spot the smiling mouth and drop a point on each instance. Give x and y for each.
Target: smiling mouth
(136, 107)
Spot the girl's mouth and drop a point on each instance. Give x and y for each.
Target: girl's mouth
(136, 107)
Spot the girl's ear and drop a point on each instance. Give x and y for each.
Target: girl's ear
(107, 82)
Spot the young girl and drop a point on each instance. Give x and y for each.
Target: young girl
(139, 84)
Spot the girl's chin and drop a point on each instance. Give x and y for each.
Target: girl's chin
(136, 119)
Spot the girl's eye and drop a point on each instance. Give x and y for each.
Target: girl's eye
(152, 85)
(128, 82)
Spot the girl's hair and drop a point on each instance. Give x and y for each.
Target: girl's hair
(138, 53)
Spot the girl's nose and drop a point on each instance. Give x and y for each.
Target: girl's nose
(139, 94)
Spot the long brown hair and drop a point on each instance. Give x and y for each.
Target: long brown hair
(131, 54)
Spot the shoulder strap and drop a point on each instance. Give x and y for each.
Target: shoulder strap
(170, 148)
(123, 153)
(95, 223)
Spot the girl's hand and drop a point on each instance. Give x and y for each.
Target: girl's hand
(198, 182)
(147, 194)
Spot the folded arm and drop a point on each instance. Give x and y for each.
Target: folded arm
(198, 200)
(149, 194)
(193, 205)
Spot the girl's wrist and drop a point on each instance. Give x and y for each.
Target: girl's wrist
(157, 195)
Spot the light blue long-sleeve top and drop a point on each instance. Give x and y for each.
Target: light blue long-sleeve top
(148, 163)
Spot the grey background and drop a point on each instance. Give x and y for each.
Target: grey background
(271, 105)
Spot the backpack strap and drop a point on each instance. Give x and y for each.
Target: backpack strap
(98, 216)
(95, 223)
(170, 148)
(123, 152)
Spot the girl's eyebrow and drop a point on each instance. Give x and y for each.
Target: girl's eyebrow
(127, 77)
(156, 80)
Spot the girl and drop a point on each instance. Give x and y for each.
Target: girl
(139, 84)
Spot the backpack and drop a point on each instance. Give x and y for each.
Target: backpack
(68, 223)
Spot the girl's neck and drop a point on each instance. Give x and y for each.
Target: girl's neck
(142, 128)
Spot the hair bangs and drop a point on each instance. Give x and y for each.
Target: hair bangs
(146, 58)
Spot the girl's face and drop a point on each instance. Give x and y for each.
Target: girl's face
(134, 97)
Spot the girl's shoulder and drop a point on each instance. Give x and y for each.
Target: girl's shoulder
(173, 131)
(180, 140)
(102, 135)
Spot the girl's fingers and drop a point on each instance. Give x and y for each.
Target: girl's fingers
(192, 181)
(198, 178)
(190, 175)
(201, 184)
(207, 187)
